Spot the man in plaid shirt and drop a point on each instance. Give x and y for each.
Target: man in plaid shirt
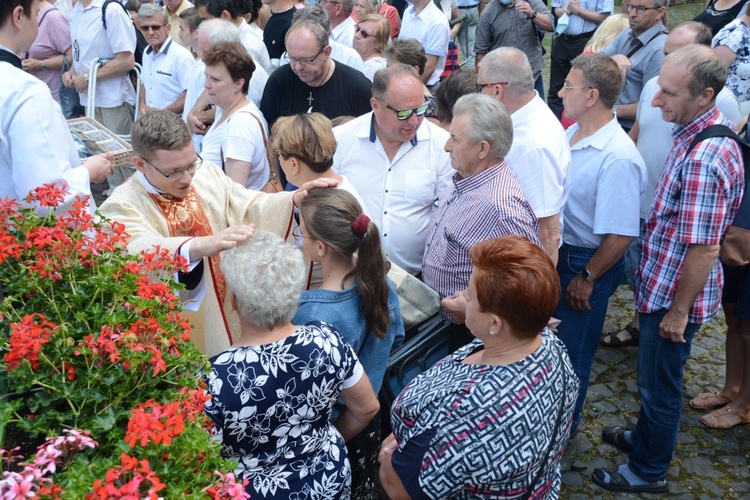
(679, 279)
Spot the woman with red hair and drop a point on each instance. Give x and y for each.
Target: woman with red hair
(493, 418)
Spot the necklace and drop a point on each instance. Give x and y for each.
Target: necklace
(329, 73)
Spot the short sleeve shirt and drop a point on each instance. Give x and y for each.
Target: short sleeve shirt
(53, 40)
(736, 37)
(646, 62)
(504, 26)
(696, 198)
(607, 180)
(577, 24)
(431, 29)
(166, 74)
(90, 40)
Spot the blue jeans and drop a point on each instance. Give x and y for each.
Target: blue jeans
(660, 370)
(539, 86)
(581, 331)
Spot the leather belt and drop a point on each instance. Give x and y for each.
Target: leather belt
(468, 6)
(588, 34)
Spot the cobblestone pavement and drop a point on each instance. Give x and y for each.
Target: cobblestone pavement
(707, 463)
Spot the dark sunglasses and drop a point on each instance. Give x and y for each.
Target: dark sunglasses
(405, 114)
(362, 32)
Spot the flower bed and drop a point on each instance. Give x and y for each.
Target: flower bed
(97, 363)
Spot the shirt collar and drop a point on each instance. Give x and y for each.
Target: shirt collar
(477, 180)
(10, 57)
(522, 114)
(599, 139)
(147, 185)
(650, 33)
(692, 128)
(373, 136)
(164, 47)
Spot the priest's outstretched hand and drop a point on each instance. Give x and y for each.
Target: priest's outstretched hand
(208, 246)
(304, 189)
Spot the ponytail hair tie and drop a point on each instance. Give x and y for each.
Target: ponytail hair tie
(359, 226)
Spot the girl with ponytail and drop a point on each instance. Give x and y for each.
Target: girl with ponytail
(356, 297)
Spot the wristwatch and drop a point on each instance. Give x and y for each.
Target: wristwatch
(44, 66)
(533, 15)
(586, 274)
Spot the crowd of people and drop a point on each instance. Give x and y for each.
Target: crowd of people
(295, 153)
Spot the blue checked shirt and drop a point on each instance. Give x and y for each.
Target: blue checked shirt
(696, 199)
(478, 208)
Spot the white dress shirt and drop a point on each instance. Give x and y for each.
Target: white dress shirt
(166, 74)
(399, 194)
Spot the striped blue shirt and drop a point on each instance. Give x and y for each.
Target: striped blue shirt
(477, 208)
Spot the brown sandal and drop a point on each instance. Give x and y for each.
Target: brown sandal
(725, 418)
(612, 340)
(710, 400)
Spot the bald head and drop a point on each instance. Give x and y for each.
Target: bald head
(685, 34)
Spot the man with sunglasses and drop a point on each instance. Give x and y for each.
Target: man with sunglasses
(188, 207)
(115, 44)
(167, 66)
(395, 160)
(313, 81)
(641, 50)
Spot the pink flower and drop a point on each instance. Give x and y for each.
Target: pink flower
(15, 486)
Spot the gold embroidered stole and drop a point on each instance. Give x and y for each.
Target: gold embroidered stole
(186, 217)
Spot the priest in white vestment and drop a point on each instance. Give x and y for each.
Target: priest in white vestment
(177, 202)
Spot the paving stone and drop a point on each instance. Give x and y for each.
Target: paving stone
(685, 437)
(610, 356)
(712, 489)
(740, 487)
(700, 466)
(739, 472)
(733, 460)
(597, 392)
(604, 407)
(572, 478)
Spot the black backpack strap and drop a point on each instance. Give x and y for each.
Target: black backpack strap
(104, 10)
(713, 131)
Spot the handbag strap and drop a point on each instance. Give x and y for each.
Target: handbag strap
(265, 145)
(555, 430)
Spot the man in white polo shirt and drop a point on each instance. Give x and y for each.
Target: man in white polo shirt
(540, 154)
(115, 96)
(395, 160)
(167, 67)
(342, 24)
(427, 24)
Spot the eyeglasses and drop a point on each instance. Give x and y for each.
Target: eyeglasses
(481, 86)
(405, 114)
(297, 233)
(178, 174)
(156, 27)
(362, 32)
(568, 87)
(641, 9)
(305, 60)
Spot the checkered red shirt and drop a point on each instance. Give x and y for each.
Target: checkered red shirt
(696, 199)
(478, 208)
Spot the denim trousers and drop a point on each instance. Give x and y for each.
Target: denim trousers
(581, 331)
(661, 365)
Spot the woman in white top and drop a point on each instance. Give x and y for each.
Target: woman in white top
(306, 145)
(371, 36)
(237, 139)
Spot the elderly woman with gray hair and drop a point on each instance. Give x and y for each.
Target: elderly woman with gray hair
(273, 391)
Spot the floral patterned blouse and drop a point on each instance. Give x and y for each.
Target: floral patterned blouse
(736, 37)
(271, 405)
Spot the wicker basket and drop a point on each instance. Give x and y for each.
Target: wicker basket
(91, 137)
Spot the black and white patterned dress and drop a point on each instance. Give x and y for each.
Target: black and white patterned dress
(484, 430)
(271, 404)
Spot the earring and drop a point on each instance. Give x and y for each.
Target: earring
(492, 334)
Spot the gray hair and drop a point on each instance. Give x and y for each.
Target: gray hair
(490, 121)
(266, 275)
(348, 6)
(705, 69)
(508, 64)
(382, 79)
(219, 30)
(313, 13)
(152, 10)
(661, 3)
